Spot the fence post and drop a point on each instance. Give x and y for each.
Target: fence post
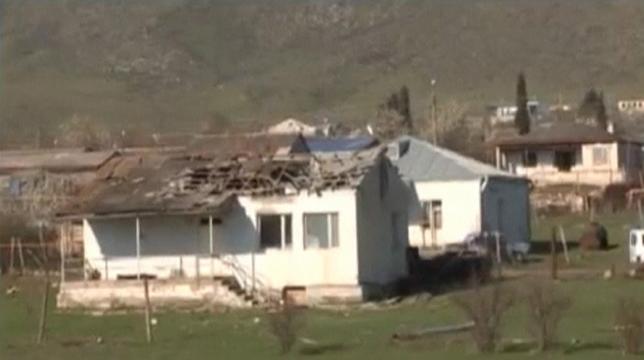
(12, 250)
(148, 330)
(553, 254)
(106, 276)
(21, 256)
(197, 270)
(564, 243)
(43, 312)
(62, 255)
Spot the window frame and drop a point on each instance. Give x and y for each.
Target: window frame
(286, 231)
(558, 156)
(603, 149)
(528, 162)
(431, 205)
(334, 233)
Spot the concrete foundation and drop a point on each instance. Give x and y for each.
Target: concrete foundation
(129, 293)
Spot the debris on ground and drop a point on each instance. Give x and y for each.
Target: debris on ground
(594, 237)
(11, 291)
(433, 330)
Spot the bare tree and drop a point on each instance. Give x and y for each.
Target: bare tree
(83, 131)
(449, 116)
(285, 323)
(546, 307)
(629, 324)
(485, 307)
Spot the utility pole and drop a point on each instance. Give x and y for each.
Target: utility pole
(434, 118)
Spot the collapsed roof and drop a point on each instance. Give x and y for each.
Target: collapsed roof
(53, 160)
(197, 184)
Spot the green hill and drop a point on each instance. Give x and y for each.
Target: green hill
(171, 64)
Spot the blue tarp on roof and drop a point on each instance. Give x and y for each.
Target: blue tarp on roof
(338, 144)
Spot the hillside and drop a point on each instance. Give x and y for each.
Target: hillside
(173, 64)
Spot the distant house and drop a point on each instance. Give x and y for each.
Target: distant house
(330, 227)
(453, 196)
(504, 114)
(293, 126)
(570, 153)
(631, 106)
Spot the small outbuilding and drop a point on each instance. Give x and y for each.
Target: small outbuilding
(453, 196)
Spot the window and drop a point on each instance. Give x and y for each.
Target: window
(600, 155)
(204, 221)
(529, 159)
(275, 231)
(321, 231)
(564, 160)
(433, 214)
(634, 240)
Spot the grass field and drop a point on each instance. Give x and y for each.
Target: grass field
(348, 333)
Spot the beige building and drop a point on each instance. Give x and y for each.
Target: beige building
(570, 154)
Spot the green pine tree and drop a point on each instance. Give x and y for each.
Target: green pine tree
(522, 117)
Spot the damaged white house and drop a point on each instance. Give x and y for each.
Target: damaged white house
(453, 196)
(324, 228)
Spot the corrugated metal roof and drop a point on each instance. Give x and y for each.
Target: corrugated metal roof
(421, 161)
(54, 160)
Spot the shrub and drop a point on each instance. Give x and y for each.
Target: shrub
(629, 324)
(485, 308)
(546, 307)
(284, 324)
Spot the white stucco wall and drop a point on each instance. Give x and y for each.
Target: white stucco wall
(622, 164)
(461, 211)
(170, 243)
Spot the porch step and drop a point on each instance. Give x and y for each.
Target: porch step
(233, 286)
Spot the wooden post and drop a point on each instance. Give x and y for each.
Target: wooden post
(43, 246)
(12, 255)
(21, 256)
(106, 275)
(639, 211)
(211, 244)
(564, 243)
(62, 255)
(148, 330)
(197, 273)
(138, 248)
(553, 254)
(497, 238)
(43, 312)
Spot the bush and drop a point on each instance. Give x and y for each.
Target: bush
(485, 308)
(629, 324)
(546, 307)
(285, 324)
